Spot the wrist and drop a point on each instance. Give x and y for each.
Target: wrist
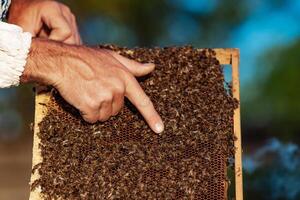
(43, 63)
(49, 60)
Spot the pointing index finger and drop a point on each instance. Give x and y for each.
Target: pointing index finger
(142, 102)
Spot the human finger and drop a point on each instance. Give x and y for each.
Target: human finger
(60, 29)
(105, 111)
(75, 37)
(117, 104)
(142, 102)
(136, 68)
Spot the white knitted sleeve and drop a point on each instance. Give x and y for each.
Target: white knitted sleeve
(14, 49)
(4, 5)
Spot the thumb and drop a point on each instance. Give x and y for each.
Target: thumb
(136, 68)
(59, 28)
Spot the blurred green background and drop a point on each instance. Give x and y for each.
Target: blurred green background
(268, 35)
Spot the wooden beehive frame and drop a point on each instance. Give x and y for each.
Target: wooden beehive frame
(225, 56)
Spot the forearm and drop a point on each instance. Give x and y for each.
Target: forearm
(48, 61)
(43, 62)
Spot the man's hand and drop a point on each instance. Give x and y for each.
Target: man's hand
(94, 81)
(45, 18)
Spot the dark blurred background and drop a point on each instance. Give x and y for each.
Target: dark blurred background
(268, 35)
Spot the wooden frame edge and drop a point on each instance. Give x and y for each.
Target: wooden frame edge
(41, 99)
(238, 168)
(232, 57)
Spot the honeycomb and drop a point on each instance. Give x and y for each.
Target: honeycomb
(123, 158)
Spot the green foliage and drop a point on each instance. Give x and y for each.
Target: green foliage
(276, 103)
(280, 88)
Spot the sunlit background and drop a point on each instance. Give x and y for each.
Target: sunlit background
(268, 35)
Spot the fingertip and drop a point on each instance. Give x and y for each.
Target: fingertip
(103, 119)
(90, 120)
(88, 117)
(142, 69)
(150, 65)
(70, 40)
(156, 123)
(136, 68)
(159, 127)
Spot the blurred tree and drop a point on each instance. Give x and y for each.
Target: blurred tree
(148, 19)
(276, 106)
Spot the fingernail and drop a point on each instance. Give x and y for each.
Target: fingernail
(148, 64)
(159, 127)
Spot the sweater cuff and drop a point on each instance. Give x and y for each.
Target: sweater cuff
(14, 49)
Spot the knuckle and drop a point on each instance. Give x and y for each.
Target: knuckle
(125, 75)
(73, 17)
(106, 96)
(118, 87)
(90, 118)
(104, 118)
(67, 32)
(66, 8)
(119, 92)
(93, 105)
